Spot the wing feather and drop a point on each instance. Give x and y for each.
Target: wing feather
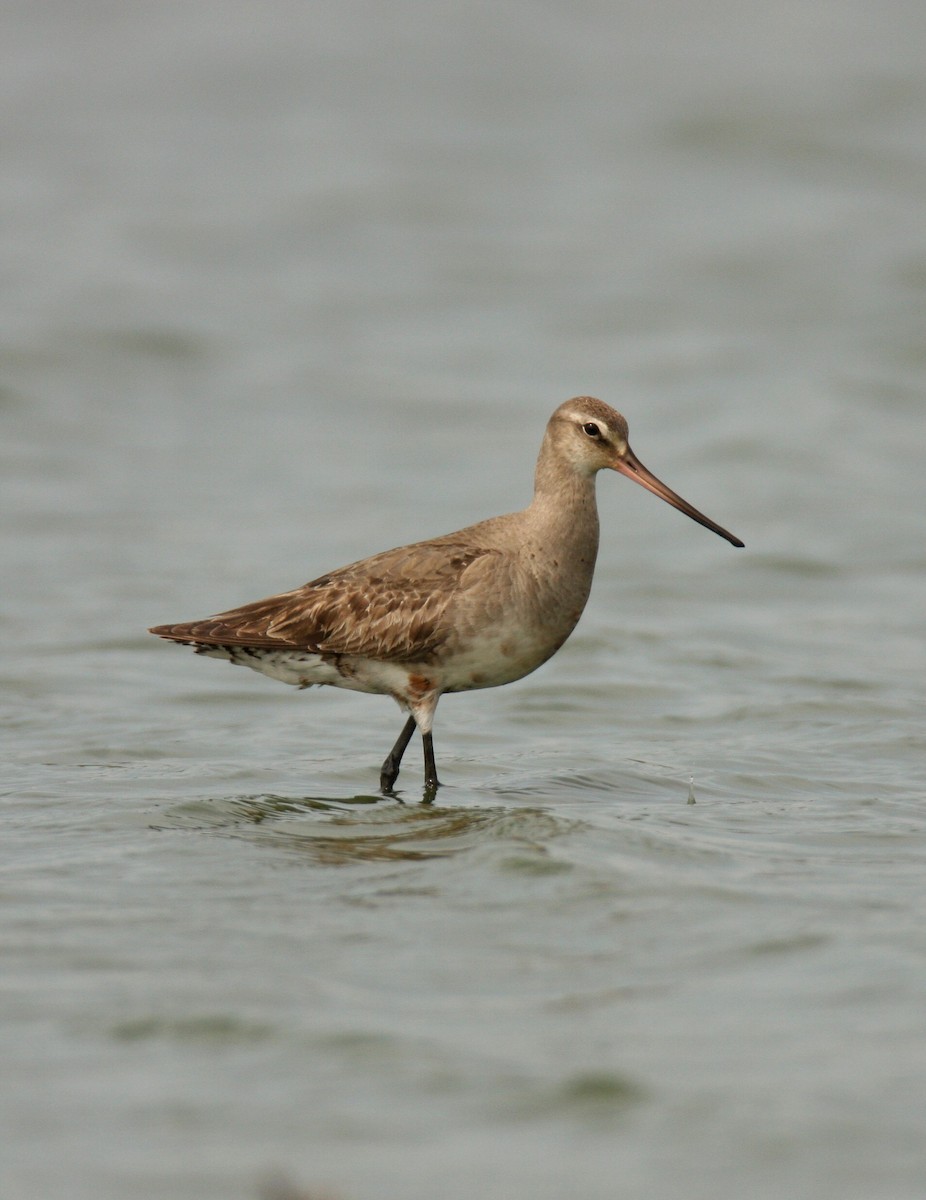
(393, 606)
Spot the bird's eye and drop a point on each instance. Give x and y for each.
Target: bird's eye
(592, 430)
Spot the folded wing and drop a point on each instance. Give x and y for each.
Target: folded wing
(389, 607)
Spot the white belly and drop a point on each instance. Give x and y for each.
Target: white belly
(302, 668)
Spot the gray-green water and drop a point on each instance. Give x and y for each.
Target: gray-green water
(285, 285)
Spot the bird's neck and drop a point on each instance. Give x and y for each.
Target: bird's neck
(564, 507)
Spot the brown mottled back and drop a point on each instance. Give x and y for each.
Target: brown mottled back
(389, 607)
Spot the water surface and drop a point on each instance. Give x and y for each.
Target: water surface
(286, 286)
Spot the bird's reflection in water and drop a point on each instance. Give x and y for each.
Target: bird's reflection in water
(363, 828)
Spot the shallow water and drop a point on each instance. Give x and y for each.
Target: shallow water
(288, 286)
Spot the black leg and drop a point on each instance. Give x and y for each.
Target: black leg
(431, 782)
(390, 771)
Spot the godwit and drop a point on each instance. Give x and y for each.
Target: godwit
(473, 609)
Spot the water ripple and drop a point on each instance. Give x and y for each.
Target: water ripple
(338, 831)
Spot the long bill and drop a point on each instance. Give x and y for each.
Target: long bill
(628, 464)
